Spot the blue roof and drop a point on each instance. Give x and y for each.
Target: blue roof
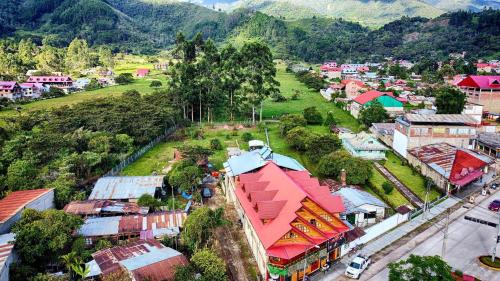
(155, 255)
(116, 188)
(359, 197)
(255, 159)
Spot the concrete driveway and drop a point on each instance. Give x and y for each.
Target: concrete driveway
(466, 241)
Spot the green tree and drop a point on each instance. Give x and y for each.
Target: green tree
(290, 121)
(373, 113)
(420, 268)
(42, 237)
(185, 175)
(330, 119)
(195, 153)
(210, 265)
(449, 100)
(332, 164)
(147, 200)
(387, 187)
(77, 55)
(155, 84)
(50, 59)
(320, 145)
(259, 72)
(124, 78)
(298, 138)
(199, 227)
(215, 144)
(312, 115)
(26, 52)
(231, 78)
(246, 137)
(21, 175)
(103, 244)
(106, 58)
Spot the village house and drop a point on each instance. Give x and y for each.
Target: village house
(384, 132)
(127, 189)
(450, 168)
(7, 254)
(144, 260)
(485, 67)
(103, 208)
(363, 145)
(81, 83)
(160, 66)
(32, 90)
(353, 88)
(483, 90)
(10, 90)
(415, 130)
(64, 83)
(489, 144)
(286, 216)
(361, 208)
(142, 72)
(387, 99)
(330, 71)
(155, 225)
(12, 206)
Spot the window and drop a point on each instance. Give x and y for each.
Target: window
(302, 228)
(472, 131)
(326, 217)
(313, 222)
(463, 131)
(371, 215)
(453, 131)
(88, 241)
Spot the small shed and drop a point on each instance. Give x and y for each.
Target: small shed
(362, 208)
(126, 188)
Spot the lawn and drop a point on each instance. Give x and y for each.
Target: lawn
(409, 177)
(308, 98)
(394, 199)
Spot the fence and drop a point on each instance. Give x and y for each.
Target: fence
(132, 158)
(419, 211)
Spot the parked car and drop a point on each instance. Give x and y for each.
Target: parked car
(494, 186)
(357, 266)
(494, 206)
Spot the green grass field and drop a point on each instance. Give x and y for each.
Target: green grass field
(408, 177)
(394, 199)
(308, 98)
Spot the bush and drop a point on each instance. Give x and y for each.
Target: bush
(53, 93)
(124, 78)
(215, 144)
(312, 115)
(147, 200)
(296, 95)
(330, 120)
(320, 145)
(388, 187)
(278, 97)
(291, 121)
(331, 165)
(247, 136)
(298, 138)
(155, 84)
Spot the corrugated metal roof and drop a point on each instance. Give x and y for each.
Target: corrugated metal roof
(359, 197)
(6, 246)
(490, 139)
(125, 187)
(363, 141)
(16, 201)
(96, 207)
(145, 259)
(100, 226)
(441, 118)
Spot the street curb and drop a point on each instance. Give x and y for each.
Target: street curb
(487, 266)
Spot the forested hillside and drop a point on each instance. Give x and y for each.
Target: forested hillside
(143, 26)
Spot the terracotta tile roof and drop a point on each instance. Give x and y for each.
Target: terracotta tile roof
(17, 200)
(271, 197)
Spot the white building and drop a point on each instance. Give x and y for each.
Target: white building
(362, 208)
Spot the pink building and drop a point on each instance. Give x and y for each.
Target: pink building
(483, 90)
(354, 88)
(142, 72)
(61, 82)
(10, 90)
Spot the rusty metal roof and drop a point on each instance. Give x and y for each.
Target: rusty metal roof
(158, 223)
(16, 201)
(125, 187)
(145, 259)
(441, 118)
(96, 207)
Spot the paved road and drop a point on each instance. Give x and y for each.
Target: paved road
(414, 200)
(466, 241)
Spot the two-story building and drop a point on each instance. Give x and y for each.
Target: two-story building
(483, 90)
(387, 99)
(64, 83)
(363, 145)
(354, 87)
(415, 130)
(10, 90)
(291, 222)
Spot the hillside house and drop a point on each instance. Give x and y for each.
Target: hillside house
(354, 88)
(483, 90)
(415, 130)
(287, 215)
(142, 72)
(361, 208)
(142, 260)
(10, 90)
(32, 90)
(451, 168)
(387, 99)
(127, 189)
(81, 83)
(7, 254)
(363, 145)
(64, 83)
(12, 206)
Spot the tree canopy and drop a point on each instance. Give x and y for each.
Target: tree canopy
(450, 101)
(373, 113)
(418, 268)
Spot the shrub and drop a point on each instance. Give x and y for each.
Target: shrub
(388, 187)
(298, 138)
(312, 115)
(247, 136)
(155, 84)
(291, 121)
(215, 144)
(330, 120)
(124, 78)
(278, 97)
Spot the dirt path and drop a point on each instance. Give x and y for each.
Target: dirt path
(231, 242)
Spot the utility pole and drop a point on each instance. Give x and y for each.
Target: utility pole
(445, 235)
(494, 252)
(427, 189)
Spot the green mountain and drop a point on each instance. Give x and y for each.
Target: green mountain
(146, 25)
(367, 12)
(471, 5)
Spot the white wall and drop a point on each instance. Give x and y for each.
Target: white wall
(400, 143)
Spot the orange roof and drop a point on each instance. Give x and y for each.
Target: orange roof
(271, 198)
(16, 201)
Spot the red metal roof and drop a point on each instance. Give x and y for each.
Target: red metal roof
(465, 168)
(7, 85)
(15, 201)
(371, 95)
(142, 71)
(484, 82)
(271, 197)
(160, 271)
